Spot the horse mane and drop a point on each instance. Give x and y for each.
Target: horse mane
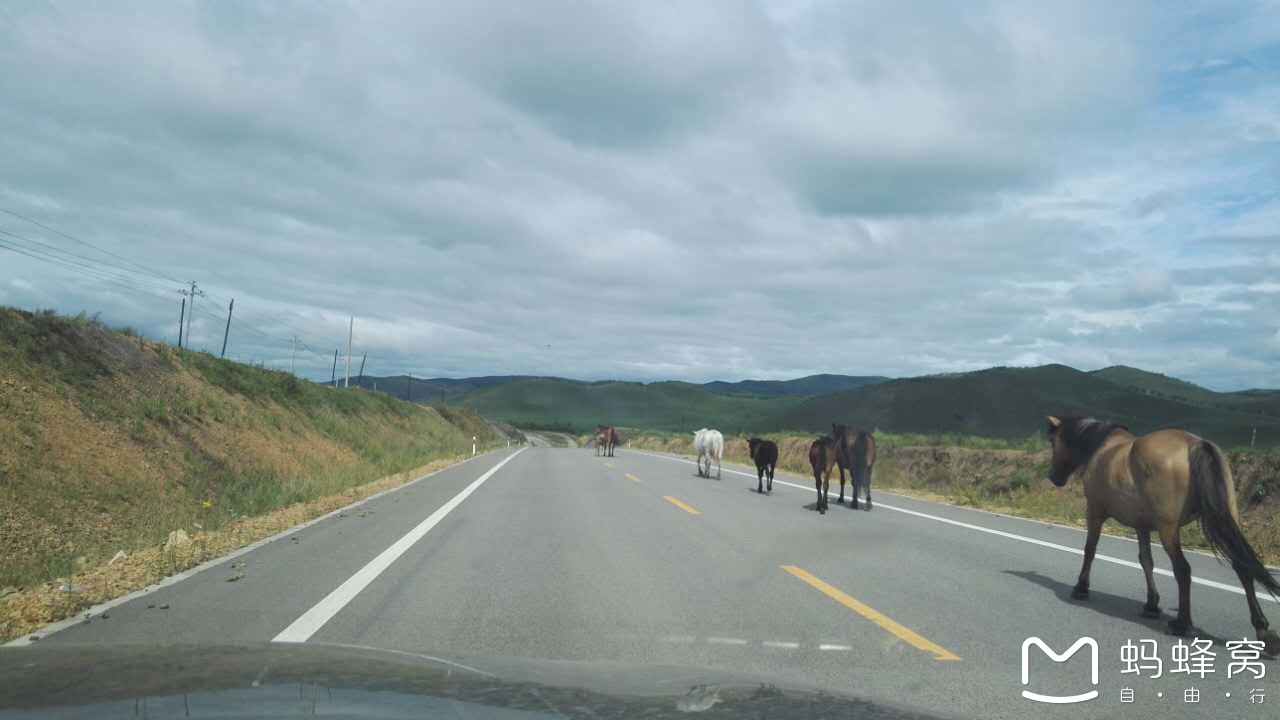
(1084, 435)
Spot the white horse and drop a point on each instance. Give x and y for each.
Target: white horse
(708, 444)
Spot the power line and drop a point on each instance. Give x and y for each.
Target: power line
(86, 243)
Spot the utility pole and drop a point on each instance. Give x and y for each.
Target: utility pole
(182, 318)
(192, 294)
(360, 382)
(227, 332)
(346, 383)
(334, 375)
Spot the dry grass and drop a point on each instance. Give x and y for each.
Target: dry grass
(31, 608)
(109, 442)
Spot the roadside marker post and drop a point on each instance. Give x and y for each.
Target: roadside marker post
(473, 446)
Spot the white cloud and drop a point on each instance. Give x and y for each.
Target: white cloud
(695, 191)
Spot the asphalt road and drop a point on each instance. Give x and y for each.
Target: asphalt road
(559, 554)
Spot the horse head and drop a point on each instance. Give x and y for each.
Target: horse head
(1074, 441)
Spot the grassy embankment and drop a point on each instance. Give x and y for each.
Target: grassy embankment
(1004, 476)
(109, 442)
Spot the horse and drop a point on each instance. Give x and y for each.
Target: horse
(708, 444)
(822, 457)
(765, 455)
(855, 452)
(1159, 482)
(606, 440)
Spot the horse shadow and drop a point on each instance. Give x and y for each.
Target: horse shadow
(1120, 607)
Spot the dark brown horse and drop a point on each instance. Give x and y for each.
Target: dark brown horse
(822, 458)
(1159, 482)
(855, 452)
(606, 439)
(765, 455)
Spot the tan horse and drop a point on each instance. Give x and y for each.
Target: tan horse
(1159, 482)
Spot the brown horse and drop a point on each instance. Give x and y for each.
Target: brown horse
(822, 457)
(855, 452)
(606, 439)
(1159, 482)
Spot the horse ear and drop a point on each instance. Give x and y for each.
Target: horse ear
(1054, 423)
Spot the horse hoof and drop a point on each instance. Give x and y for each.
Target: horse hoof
(1150, 612)
(1271, 642)
(1178, 627)
(1079, 593)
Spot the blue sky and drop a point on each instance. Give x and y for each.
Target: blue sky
(709, 190)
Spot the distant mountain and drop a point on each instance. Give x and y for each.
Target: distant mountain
(809, 386)
(1012, 402)
(998, 402)
(1262, 402)
(432, 389)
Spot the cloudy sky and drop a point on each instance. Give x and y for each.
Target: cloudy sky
(709, 190)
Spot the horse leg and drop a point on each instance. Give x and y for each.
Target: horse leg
(840, 500)
(817, 483)
(717, 467)
(1152, 608)
(770, 468)
(1081, 590)
(1271, 641)
(866, 480)
(759, 480)
(1172, 541)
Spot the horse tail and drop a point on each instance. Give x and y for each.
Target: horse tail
(1215, 495)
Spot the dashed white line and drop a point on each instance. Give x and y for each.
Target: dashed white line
(780, 644)
(726, 641)
(828, 646)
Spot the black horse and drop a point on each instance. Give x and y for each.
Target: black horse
(765, 453)
(855, 452)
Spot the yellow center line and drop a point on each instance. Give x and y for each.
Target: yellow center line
(875, 616)
(681, 504)
(632, 478)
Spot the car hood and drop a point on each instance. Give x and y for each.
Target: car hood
(287, 680)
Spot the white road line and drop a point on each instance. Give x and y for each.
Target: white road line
(304, 627)
(726, 641)
(829, 646)
(682, 639)
(52, 628)
(782, 645)
(1001, 533)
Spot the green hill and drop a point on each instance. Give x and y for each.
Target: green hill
(1012, 402)
(808, 386)
(575, 406)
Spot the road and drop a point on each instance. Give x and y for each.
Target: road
(560, 554)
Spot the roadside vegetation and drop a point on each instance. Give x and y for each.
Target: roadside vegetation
(110, 442)
(1001, 475)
